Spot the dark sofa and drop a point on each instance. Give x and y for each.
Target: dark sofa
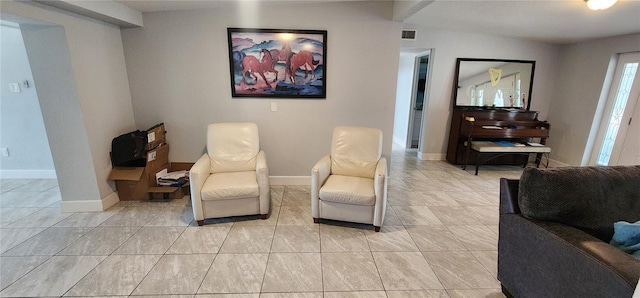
(555, 228)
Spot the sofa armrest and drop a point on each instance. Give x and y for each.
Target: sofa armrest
(198, 174)
(509, 196)
(380, 179)
(262, 174)
(547, 259)
(319, 174)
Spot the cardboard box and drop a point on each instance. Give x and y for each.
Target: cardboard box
(181, 166)
(156, 136)
(133, 183)
(167, 192)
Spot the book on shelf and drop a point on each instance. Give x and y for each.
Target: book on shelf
(505, 143)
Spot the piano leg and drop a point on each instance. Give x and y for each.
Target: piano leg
(466, 155)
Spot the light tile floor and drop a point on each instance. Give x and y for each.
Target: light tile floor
(439, 239)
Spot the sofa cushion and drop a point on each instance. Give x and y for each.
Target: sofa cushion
(233, 185)
(589, 198)
(348, 190)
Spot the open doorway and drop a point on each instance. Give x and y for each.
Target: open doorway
(26, 153)
(53, 85)
(412, 98)
(417, 102)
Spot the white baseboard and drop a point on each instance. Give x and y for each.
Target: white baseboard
(110, 200)
(81, 206)
(430, 156)
(399, 142)
(290, 180)
(28, 174)
(90, 205)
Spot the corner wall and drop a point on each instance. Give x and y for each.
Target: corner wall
(178, 67)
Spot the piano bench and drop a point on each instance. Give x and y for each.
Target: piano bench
(482, 147)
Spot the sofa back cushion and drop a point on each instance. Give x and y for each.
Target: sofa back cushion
(355, 151)
(589, 198)
(233, 147)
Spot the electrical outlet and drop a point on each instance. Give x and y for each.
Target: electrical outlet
(5, 151)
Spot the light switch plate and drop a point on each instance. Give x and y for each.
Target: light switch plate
(14, 87)
(274, 107)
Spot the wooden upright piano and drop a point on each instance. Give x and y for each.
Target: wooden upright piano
(493, 125)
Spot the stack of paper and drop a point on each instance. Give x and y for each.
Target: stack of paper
(177, 178)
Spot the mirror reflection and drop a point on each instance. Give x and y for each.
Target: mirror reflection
(494, 83)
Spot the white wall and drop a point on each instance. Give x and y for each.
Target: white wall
(98, 68)
(178, 68)
(450, 45)
(580, 81)
(406, 68)
(22, 126)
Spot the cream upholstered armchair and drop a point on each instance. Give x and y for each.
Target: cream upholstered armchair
(232, 178)
(350, 184)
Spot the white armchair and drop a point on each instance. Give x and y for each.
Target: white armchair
(232, 178)
(350, 184)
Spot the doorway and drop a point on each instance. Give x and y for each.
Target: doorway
(20, 113)
(416, 114)
(54, 84)
(619, 134)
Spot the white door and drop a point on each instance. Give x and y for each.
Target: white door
(620, 134)
(630, 149)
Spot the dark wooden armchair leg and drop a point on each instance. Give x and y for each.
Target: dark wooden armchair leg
(264, 216)
(377, 229)
(201, 222)
(316, 220)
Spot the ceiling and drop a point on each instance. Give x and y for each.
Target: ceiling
(553, 21)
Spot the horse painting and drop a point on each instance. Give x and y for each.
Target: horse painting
(251, 65)
(304, 60)
(280, 55)
(276, 63)
(267, 63)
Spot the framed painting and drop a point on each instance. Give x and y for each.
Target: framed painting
(277, 63)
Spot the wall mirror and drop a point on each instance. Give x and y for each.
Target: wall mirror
(493, 83)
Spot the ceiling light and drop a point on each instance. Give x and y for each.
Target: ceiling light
(600, 4)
